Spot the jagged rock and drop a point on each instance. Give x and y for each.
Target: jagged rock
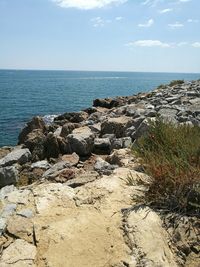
(116, 126)
(5, 150)
(3, 224)
(121, 157)
(142, 129)
(103, 167)
(44, 164)
(8, 210)
(52, 146)
(82, 179)
(75, 117)
(21, 227)
(124, 142)
(19, 254)
(55, 169)
(102, 145)
(35, 141)
(35, 123)
(8, 175)
(68, 128)
(18, 155)
(65, 175)
(81, 141)
(71, 160)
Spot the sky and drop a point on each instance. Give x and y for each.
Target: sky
(107, 35)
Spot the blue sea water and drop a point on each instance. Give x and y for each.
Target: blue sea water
(24, 94)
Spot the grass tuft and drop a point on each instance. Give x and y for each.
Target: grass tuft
(170, 154)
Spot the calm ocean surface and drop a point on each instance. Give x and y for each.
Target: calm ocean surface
(24, 94)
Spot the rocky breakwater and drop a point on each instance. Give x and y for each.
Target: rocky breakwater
(65, 199)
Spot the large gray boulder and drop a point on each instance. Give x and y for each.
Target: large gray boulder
(116, 126)
(20, 156)
(81, 141)
(8, 175)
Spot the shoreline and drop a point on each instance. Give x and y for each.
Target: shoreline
(68, 190)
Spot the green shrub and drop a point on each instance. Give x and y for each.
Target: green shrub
(171, 156)
(176, 82)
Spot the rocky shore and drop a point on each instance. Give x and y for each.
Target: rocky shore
(65, 199)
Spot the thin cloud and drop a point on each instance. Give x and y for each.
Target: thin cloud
(99, 22)
(182, 44)
(118, 18)
(148, 24)
(196, 44)
(148, 43)
(166, 10)
(193, 20)
(87, 4)
(176, 25)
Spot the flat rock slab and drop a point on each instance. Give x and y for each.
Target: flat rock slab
(19, 254)
(148, 239)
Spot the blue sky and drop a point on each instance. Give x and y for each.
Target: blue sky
(121, 35)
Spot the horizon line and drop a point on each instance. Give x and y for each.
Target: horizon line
(133, 71)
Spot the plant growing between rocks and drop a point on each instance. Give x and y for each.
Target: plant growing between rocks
(170, 155)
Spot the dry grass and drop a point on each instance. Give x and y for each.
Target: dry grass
(171, 156)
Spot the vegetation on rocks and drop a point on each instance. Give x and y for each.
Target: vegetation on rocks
(170, 154)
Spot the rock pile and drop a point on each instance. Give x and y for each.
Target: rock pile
(73, 176)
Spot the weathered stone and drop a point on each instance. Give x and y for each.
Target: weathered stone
(116, 126)
(75, 117)
(3, 224)
(71, 160)
(103, 167)
(65, 175)
(19, 254)
(52, 146)
(81, 179)
(102, 146)
(20, 156)
(27, 213)
(68, 128)
(21, 227)
(44, 164)
(35, 141)
(81, 141)
(8, 175)
(8, 210)
(149, 239)
(35, 123)
(120, 157)
(55, 169)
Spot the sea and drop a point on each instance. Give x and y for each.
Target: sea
(27, 93)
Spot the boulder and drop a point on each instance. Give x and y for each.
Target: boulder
(43, 164)
(65, 175)
(35, 123)
(103, 167)
(75, 117)
(120, 157)
(20, 156)
(81, 141)
(35, 141)
(55, 169)
(8, 175)
(102, 145)
(116, 126)
(68, 128)
(52, 146)
(71, 160)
